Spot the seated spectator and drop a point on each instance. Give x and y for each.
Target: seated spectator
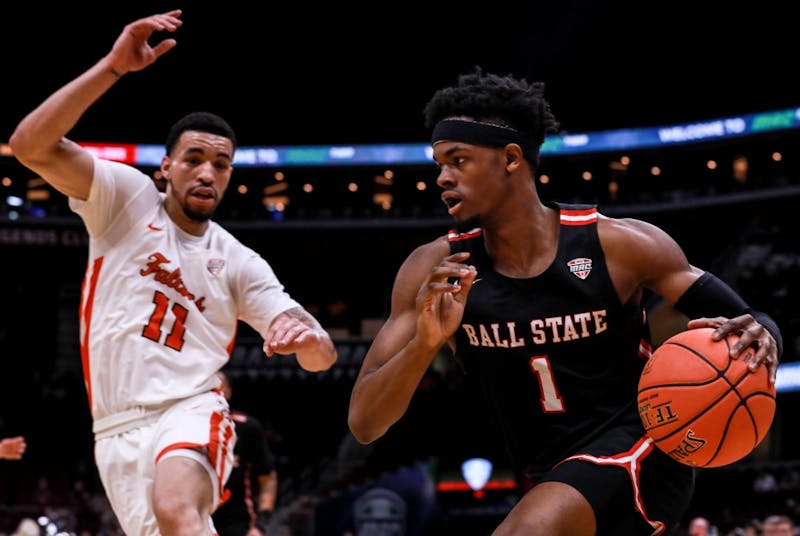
(751, 528)
(765, 482)
(790, 480)
(778, 525)
(699, 526)
(27, 527)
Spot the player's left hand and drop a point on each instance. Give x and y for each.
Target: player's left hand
(756, 344)
(289, 334)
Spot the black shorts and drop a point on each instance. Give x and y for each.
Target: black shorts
(633, 487)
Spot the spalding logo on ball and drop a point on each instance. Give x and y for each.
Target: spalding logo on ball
(701, 407)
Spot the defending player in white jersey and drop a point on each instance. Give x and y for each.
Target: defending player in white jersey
(164, 290)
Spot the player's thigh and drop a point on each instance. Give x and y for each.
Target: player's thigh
(184, 478)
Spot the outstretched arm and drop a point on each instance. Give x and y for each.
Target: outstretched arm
(642, 255)
(39, 140)
(426, 311)
(297, 332)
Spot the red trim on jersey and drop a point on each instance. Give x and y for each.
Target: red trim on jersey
(454, 236)
(85, 309)
(578, 217)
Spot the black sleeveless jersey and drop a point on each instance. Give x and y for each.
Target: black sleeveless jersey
(558, 356)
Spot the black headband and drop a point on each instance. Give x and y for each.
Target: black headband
(485, 134)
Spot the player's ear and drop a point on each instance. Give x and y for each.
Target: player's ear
(166, 163)
(513, 154)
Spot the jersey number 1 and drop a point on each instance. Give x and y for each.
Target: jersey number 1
(152, 330)
(551, 400)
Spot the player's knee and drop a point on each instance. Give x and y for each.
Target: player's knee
(177, 516)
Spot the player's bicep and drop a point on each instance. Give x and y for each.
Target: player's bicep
(395, 333)
(668, 271)
(640, 254)
(401, 325)
(66, 166)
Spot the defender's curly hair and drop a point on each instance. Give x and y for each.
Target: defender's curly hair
(501, 100)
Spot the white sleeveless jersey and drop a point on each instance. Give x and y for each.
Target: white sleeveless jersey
(159, 307)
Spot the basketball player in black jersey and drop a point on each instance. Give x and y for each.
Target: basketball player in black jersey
(253, 483)
(542, 304)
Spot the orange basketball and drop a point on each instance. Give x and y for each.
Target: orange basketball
(700, 406)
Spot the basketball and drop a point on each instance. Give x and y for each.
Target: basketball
(701, 407)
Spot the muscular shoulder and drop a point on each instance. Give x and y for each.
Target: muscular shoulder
(431, 252)
(639, 252)
(425, 256)
(632, 237)
(418, 265)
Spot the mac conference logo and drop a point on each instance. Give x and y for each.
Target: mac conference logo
(580, 267)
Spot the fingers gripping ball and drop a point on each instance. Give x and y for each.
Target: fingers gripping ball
(701, 407)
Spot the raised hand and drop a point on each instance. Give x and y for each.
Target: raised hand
(441, 299)
(132, 50)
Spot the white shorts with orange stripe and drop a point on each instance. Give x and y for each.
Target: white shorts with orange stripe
(128, 447)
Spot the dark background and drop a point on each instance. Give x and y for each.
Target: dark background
(287, 73)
